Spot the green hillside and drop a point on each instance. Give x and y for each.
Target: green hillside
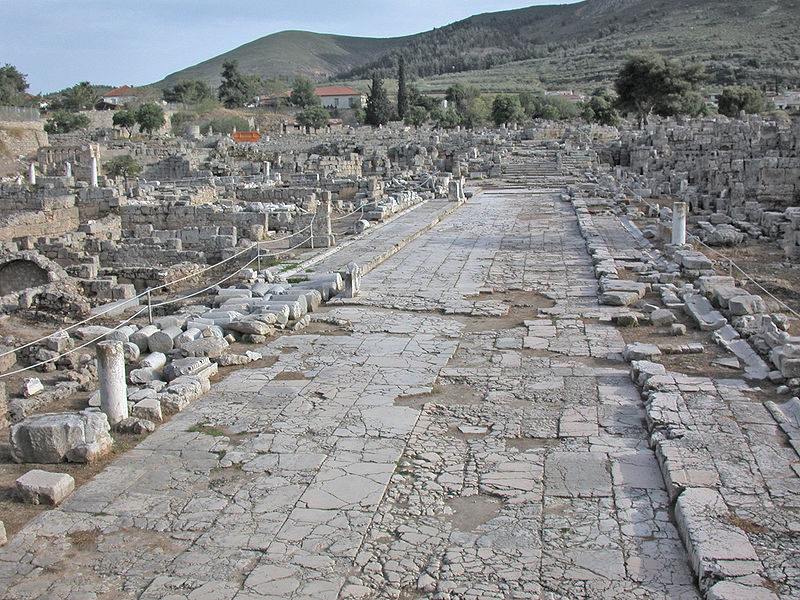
(290, 53)
(582, 45)
(575, 46)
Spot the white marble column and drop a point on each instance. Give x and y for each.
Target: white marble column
(111, 373)
(679, 223)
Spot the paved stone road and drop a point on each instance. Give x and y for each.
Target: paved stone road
(438, 440)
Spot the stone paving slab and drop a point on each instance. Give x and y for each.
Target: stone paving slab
(424, 449)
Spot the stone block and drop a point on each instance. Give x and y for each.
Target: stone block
(700, 309)
(185, 366)
(42, 487)
(212, 347)
(252, 326)
(662, 317)
(717, 548)
(148, 408)
(58, 437)
(31, 386)
(747, 304)
(640, 351)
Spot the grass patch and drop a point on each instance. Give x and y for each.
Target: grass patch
(207, 429)
(288, 267)
(296, 279)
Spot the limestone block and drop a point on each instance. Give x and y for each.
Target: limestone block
(747, 304)
(662, 317)
(212, 347)
(640, 351)
(251, 326)
(31, 386)
(144, 375)
(185, 366)
(3, 536)
(692, 260)
(56, 437)
(700, 309)
(717, 548)
(42, 487)
(736, 590)
(642, 370)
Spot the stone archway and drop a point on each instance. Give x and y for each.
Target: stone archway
(20, 274)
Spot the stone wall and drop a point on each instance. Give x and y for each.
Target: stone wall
(19, 138)
(177, 215)
(27, 210)
(748, 170)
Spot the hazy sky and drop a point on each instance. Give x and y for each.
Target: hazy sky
(58, 43)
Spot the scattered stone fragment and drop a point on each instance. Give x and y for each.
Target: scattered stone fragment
(43, 487)
(57, 437)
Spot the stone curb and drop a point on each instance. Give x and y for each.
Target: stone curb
(403, 243)
(721, 556)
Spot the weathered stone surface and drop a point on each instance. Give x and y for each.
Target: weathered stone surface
(252, 326)
(148, 408)
(746, 305)
(58, 437)
(42, 487)
(212, 347)
(185, 366)
(31, 386)
(700, 309)
(640, 351)
(717, 549)
(662, 317)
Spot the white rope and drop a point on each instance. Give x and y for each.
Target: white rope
(63, 354)
(730, 262)
(150, 291)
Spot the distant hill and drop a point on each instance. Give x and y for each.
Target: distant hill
(578, 46)
(290, 53)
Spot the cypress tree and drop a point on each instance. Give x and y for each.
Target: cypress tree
(379, 109)
(402, 93)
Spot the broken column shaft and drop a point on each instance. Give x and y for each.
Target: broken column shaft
(111, 373)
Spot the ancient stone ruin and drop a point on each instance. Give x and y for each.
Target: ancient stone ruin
(396, 362)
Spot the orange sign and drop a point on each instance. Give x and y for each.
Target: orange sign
(246, 136)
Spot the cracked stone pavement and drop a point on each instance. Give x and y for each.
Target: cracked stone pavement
(441, 442)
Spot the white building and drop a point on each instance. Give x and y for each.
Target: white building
(341, 96)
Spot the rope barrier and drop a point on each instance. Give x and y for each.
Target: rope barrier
(68, 352)
(149, 291)
(730, 262)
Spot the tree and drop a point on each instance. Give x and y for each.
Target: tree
(188, 91)
(506, 109)
(648, 83)
(12, 86)
(416, 116)
(600, 109)
(124, 166)
(235, 89)
(150, 117)
(125, 119)
(459, 94)
(313, 117)
(303, 93)
(379, 109)
(81, 96)
(402, 92)
(63, 121)
(733, 100)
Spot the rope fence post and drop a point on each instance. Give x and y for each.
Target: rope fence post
(149, 307)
